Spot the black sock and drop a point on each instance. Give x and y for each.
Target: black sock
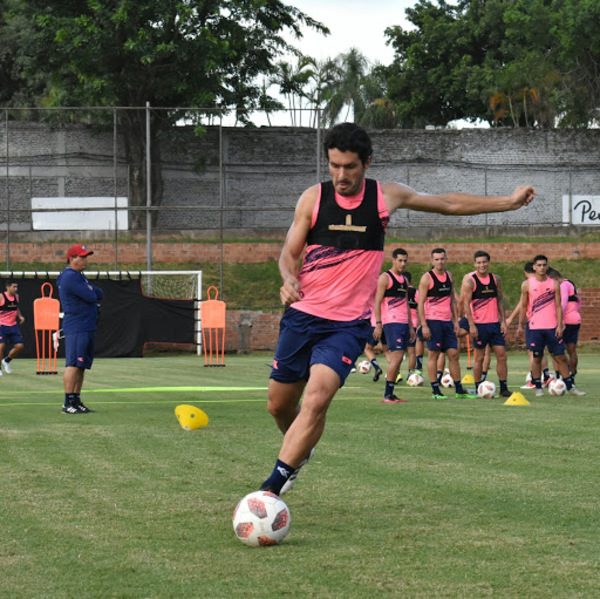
(7, 360)
(278, 478)
(69, 399)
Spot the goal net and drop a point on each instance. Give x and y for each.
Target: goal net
(142, 312)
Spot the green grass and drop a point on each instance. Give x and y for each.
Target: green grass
(454, 499)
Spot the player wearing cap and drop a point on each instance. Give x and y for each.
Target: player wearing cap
(79, 302)
(9, 329)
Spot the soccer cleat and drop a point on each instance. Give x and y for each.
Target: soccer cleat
(528, 385)
(399, 378)
(466, 396)
(83, 409)
(291, 481)
(539, 392)
(70, 410)
(378, 373)
(575, 391)
(439, 396)
(6, 367)
(505, 393)
(392, 399)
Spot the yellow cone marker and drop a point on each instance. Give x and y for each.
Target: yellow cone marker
(191, 417)
(516, 399)
(468, 379)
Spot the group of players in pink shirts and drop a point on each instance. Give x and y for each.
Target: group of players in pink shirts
(406, 318)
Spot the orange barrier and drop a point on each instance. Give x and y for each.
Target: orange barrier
(469, 367)
(212, 316)
(46, 316)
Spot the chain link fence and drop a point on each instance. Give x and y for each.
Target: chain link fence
(122, 171)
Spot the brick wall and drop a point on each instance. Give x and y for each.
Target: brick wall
(129, 253)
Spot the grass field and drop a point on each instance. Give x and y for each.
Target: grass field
(453, 499)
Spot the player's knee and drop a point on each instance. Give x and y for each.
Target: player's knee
(537, 353)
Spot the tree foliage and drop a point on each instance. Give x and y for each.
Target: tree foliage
(171, 53)
(527, 63)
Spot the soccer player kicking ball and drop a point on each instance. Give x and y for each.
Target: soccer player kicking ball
(339, 227)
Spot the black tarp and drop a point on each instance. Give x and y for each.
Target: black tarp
(128, 319)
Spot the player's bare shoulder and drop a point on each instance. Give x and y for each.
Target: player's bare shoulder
(397, 195)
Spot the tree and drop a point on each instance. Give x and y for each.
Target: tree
(205, 53)
(526, 63)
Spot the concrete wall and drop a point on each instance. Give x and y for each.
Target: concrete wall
(257, 175)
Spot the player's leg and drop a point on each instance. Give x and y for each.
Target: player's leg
(502, 369)
(478, 359)
(557, 348)
(283, 402)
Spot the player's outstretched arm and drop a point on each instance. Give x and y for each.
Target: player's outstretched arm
(401, 196)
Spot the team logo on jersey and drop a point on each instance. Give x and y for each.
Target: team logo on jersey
(348, 226)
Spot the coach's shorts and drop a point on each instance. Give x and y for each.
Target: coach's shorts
(443, 336)
(305, 340)
(571, 333)
(398, 336)
(488, 334)
(373, 342)
(79, 349)
(545, 338)
(12, 334)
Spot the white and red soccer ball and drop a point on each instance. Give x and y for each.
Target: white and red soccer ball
(557, 387)
(415, 380)
(364, 367)
(446, 381)
(486, 389)
(261, 519)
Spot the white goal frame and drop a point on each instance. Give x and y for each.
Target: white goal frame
(107, 274)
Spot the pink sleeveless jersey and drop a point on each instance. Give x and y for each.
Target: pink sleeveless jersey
(9, 318)
(571, 313)
(439, 308)
(541, 304)
(484, 309)
(394, 309)
(341, 284)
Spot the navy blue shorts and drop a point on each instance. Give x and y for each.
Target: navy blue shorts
(12, 334)
(443, 336)
(571, 333)
(463, 324)
(488, 334)
(305, 340)
(373, 342)
(398, 335)
(545, 338)
(79, 349)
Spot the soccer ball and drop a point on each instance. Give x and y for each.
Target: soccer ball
(557, 387)
(415, 380)
(261, 518)
(447, 381)
(364, 367)
(487, 389)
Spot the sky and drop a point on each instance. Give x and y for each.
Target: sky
(353, 23)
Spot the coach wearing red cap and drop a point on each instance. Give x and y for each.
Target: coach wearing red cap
(79, 302)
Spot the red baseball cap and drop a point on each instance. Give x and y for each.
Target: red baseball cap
(78, 250)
